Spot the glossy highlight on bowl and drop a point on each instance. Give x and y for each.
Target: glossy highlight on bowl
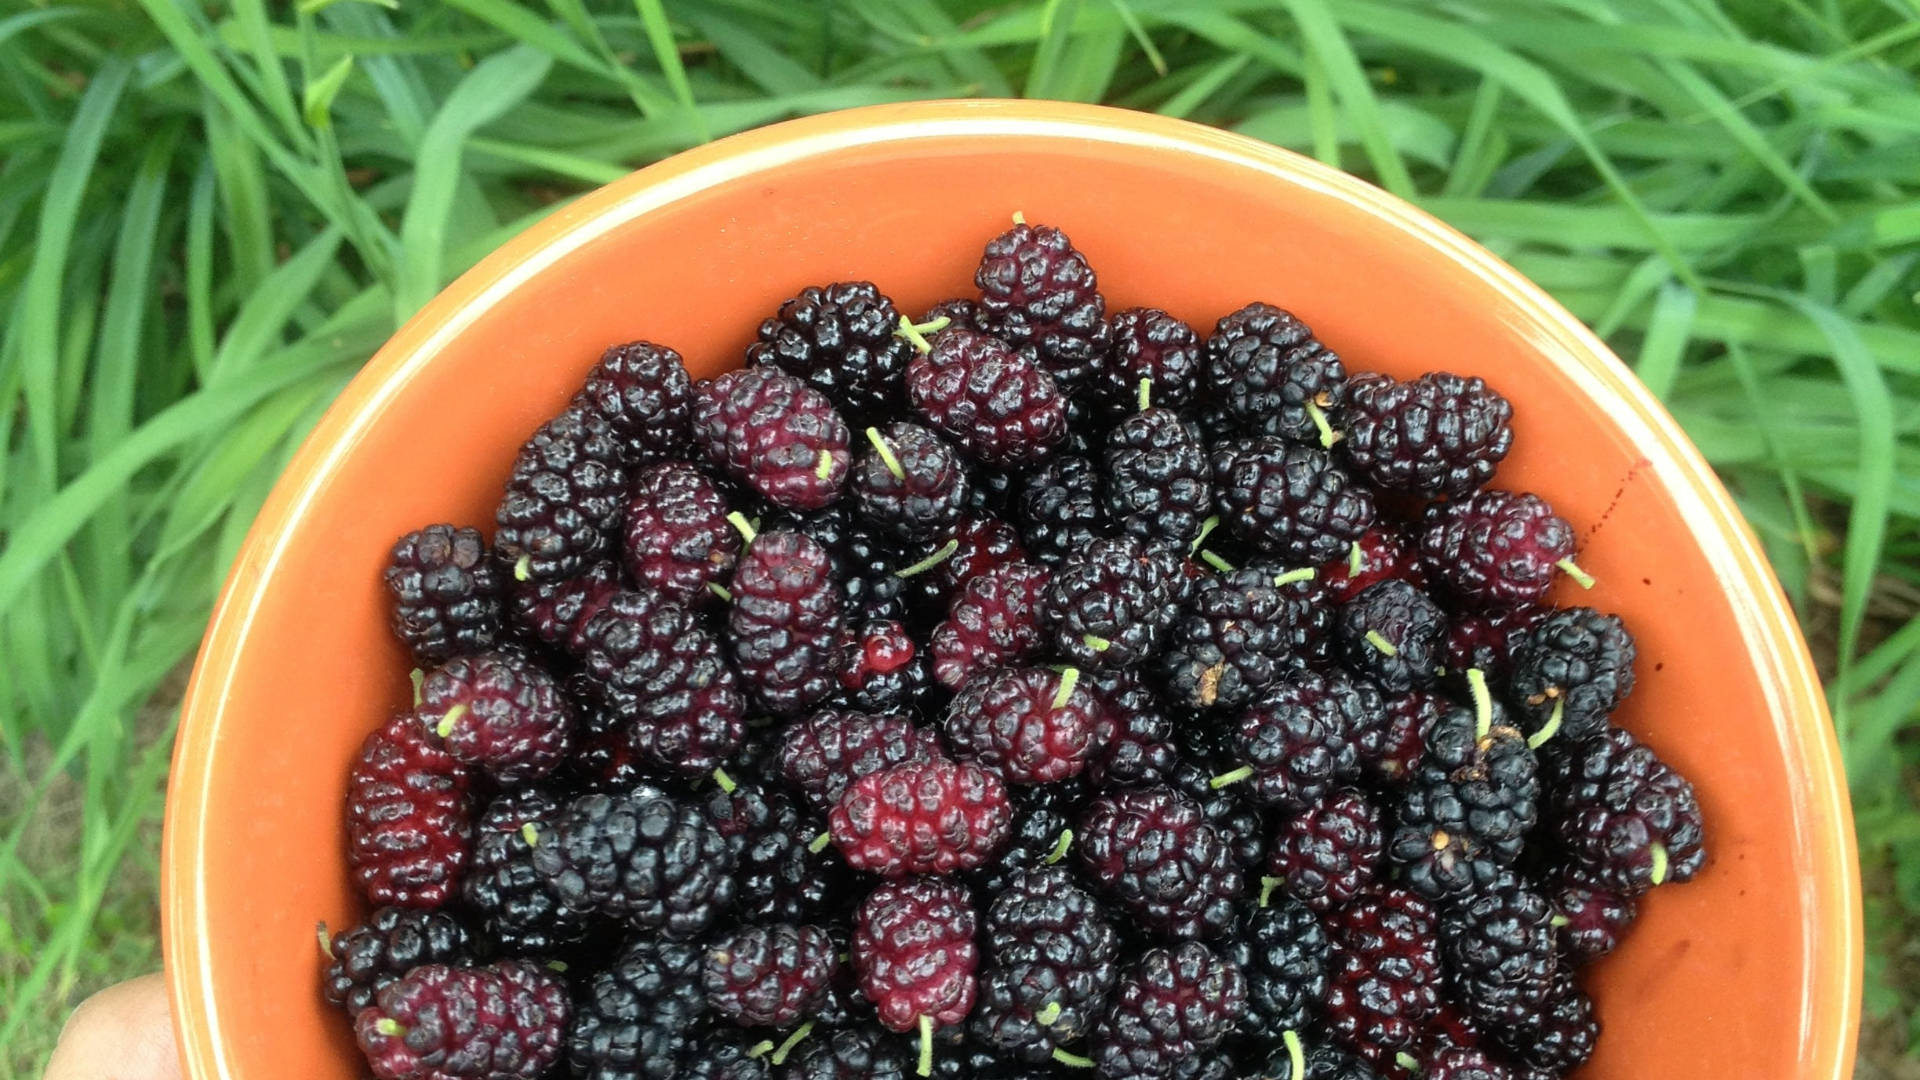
(1752, 971)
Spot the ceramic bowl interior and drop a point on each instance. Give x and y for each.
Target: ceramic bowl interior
(1749, 972)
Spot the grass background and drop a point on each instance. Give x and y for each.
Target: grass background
(212, 212)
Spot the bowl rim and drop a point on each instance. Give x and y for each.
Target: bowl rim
(1770, 632)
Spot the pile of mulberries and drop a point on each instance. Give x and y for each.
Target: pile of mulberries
(1026, 691)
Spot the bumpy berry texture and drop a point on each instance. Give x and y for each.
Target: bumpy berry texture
(1027, 725)
(408, 821)
(773, 432)
(882, 668)
(1272, 374)
(498, 713)
(1392, 633)
(1288, 500)
(1038, 293)
(1053, 959)
(914, 951)
(1159, 485)
(518, 908)
(1283, 951)
(995, 620)
(1232, 640)
(1557, 1036)
(1139, 748)
(392, 942)
(1323, 1060)
(640, 856)
(1577, 663)
(1170, 1005)
(641, 389)
(638, 1017)
(563, 499)
(1044, 817)
(1458, 1063)
(785, 621)
(720, 1058)
(554, 612)
(1060, 510)
(769, 976)
(1110, 604)
(1392, 737)
(840, 339)
(1294, 740)
(1490, 641)
(825, 753)
(439, 1022)
(1386, 974)
(1499, 945)
(446, 592)
(1328, 854)
(1241, 823)
(666, 679)
(1468, 807)
(1626, 820)
(909, 482)
(1153, 850)
(1150, 344)
(1002, 409)
(884, 577)
(1494, 549)
(678, 540)
(921, 818)
(982, 544)
(862, 1053)
(1439, 434)
(778, 879)
(1595, 920)
(1383, 554)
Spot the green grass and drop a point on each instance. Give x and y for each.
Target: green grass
(212, 213)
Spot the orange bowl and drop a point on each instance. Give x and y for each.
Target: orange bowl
(1751, 971)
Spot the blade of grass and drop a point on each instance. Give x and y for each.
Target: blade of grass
(1329, 44)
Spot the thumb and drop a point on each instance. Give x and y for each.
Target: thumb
(121, 1033)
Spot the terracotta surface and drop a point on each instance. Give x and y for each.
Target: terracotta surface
(1750, 972)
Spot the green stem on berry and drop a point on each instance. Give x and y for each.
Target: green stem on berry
(1048, 1015)
(1145, 394)
(1267, 885)
(1233, 777)
(326, 939)
(780, 1056)
(916, 333)
(1207, 526)
(1558, 921)
(1482, 702)
(389, 1027)
(1071, 1060)
(926, 1046)
(419, 679)
(761, 1048)
(1407, 1061)
(1379, 641)
(448, 722)
(825, 468)
(1659, 876)
(1096, 642)
(739, 521)
(1319, 417)
(557, 966)
(721, 591)
(886, 454)
(1069, 678)
(1216, 562)
(1356, 562)
(1296, 1055)
(523, 568)
(1584, 579)
(1019, 218)
(1060, 847)
(726, 782)
(530, 833)
(1305, 573)
(1552, 726)
(946, 552)
(819, 843)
